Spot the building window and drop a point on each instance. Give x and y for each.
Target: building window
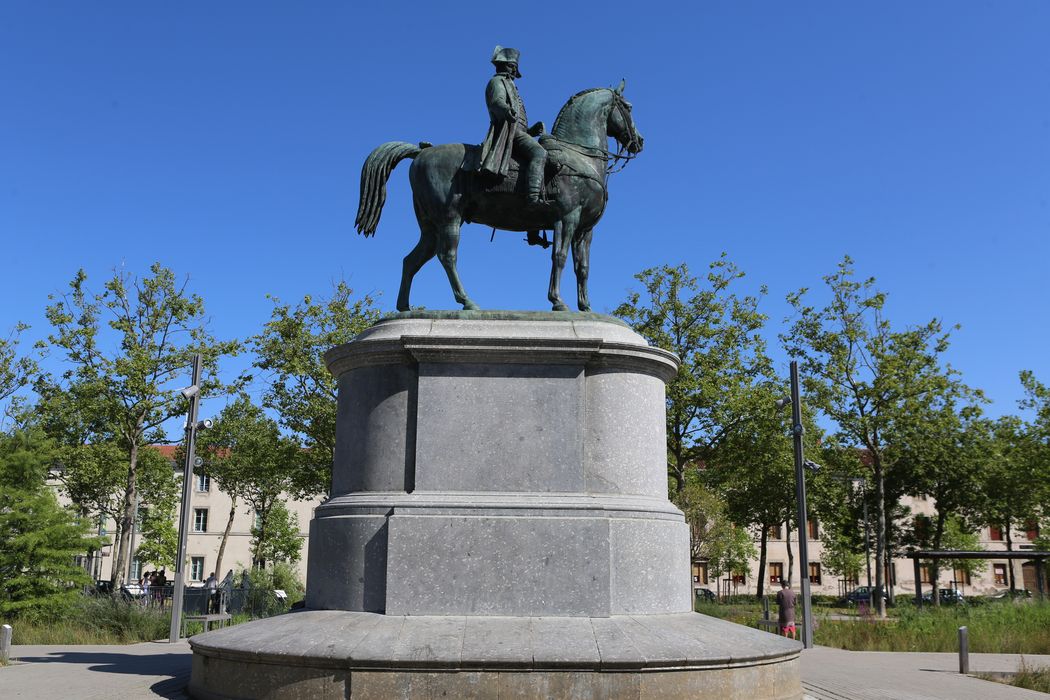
(926, 573)
(700, 572)
(1031, 528)
(200, 519)
(814, 572)
(995, 533)
(203, 483)
(776, 571)
(813, 527)
(999, 572)
(774, 533)
(196, 568)
(258, 519)
(136, 570)
(962, 577)
(739, 578)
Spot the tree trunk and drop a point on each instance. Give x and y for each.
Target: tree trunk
(762, 561)
(260, 537)
(679, 471)
(225, 537)
(935, 569)
(880, 536)
(791, 555)
(127, 517)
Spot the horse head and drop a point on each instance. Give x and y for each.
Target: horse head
(621, 122)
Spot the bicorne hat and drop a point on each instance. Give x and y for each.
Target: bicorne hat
(507, 55)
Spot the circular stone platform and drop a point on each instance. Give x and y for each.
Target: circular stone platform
(341, 654)
(498, 527)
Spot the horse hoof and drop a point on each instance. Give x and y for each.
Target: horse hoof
(585, 308)
(471, 306)
(560, 307)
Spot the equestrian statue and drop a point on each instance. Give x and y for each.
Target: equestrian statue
(512, 181)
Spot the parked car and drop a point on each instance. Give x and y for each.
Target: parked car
(948, 596)
(1008, 595)
(862, 594)
(706, 595)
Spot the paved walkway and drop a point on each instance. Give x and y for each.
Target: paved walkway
(835, 674)
(122, 672)
(161, 670)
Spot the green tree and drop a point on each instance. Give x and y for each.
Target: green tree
(128, 348)
(1013, 480)
(943, 448)
(868, 378)
(251, 461)
(39, 539)
(753, 468)
(301, 390)
(960, 537)
(732, 552)
(716, 334)
(15, 371)
(839, 555)
(280, 541)
(94, 479)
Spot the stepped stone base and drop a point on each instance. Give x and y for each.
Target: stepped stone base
(342, 654)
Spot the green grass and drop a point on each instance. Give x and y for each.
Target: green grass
(1028, 677)
(90, 620)
(1001, 628)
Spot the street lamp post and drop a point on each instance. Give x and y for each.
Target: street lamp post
(192, 393)
(800, 496)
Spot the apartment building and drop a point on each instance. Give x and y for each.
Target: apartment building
(209, 514)
(901, 571)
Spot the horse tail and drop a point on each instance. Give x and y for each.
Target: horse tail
(374, 174)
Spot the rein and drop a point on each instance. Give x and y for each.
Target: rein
(621, 158)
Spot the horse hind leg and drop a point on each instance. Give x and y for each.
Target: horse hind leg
(416, 258)
(581, 259)
(448, 253)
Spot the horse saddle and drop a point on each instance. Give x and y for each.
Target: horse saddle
(514, 182)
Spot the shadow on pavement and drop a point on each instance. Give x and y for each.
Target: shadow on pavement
(173, 664)
(173, 688)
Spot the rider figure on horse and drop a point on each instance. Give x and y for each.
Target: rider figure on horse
(509, 132)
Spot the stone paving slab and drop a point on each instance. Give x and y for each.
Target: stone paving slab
(97, 672)
(836, 674)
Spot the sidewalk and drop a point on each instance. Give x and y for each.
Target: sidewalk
(162, 670)
(835, 674)
(146, 670)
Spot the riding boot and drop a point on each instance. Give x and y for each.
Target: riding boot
(534, 238)
(534, 180)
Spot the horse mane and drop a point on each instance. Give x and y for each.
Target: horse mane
(571, 102)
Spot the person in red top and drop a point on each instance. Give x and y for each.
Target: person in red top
(786, 610)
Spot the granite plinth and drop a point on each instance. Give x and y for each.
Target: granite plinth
(341, 654)
(498, 527)
(494, 463)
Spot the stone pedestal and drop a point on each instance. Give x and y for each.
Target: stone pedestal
(499, 524)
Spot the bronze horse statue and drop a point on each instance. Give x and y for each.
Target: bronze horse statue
(446, 191)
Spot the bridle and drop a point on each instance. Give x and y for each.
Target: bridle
(623, 151)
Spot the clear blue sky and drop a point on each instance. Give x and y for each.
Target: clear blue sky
(225, 140)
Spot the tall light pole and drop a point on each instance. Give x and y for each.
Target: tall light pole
(193, 393)
(800, 497)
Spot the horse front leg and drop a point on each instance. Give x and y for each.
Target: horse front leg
(563, 232)
(447, 253)
(581, 260)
